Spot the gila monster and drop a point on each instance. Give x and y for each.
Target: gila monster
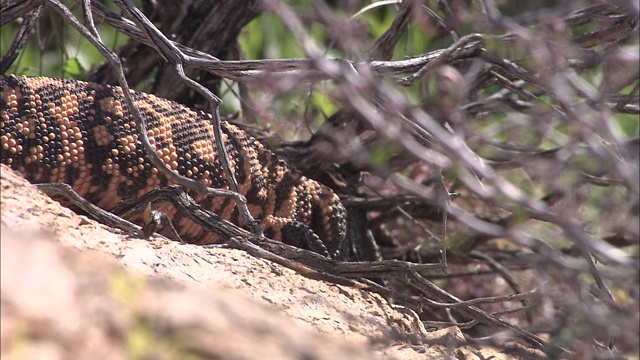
(83, 134)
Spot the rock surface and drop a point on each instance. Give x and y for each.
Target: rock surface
(73, 288)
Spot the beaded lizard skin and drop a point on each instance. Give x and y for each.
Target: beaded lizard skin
(82, 134)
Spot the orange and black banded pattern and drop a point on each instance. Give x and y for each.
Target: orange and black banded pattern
(82, 134)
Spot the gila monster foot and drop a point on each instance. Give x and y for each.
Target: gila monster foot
(300, 235)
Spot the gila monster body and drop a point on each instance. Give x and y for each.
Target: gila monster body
(83, 134)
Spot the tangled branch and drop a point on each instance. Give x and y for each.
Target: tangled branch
(513, 148)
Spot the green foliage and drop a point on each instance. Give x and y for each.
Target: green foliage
(267, 38)
(58, 50)
(382, 151)
(629, 124)
(74, 68)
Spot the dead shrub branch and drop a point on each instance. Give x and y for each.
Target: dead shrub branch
(511, 148)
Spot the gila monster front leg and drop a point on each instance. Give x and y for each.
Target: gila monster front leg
(83, 134)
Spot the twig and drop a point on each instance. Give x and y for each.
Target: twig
(20, 40)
